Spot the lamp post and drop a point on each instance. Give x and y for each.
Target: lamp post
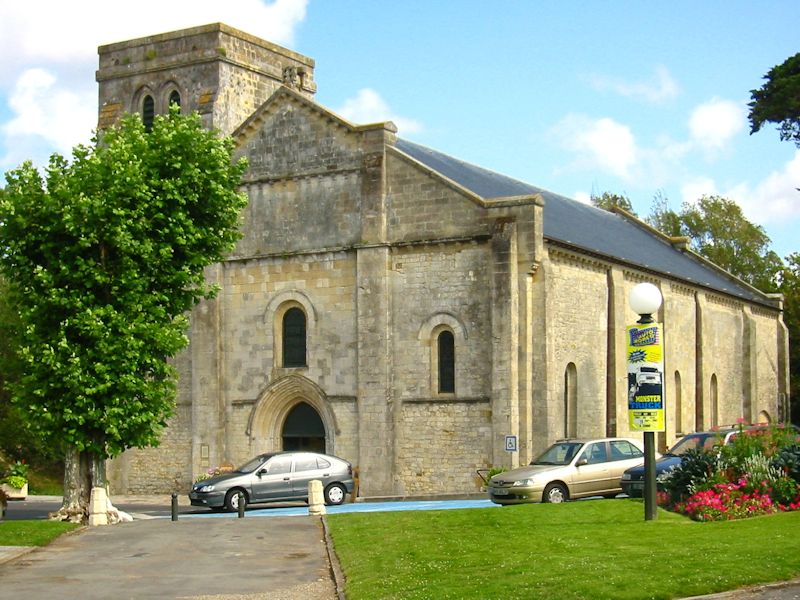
(645, 382)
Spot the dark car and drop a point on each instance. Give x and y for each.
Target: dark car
(633, 478)
(276, 477)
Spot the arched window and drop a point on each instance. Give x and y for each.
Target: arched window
(571, 401)
(447, 362)
(148, 112)
(175, 98)
(294, 338)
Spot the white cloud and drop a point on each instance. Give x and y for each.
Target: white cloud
(584, 197)
(49, 50)
(713, 124)
(694, 189)
(54, 32)
(659, 88)
(46, 115)
(775, 199)
(367, 106)
(599, 144)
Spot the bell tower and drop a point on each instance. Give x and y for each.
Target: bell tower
(222, 73)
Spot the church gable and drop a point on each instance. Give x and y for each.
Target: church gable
(423, 205)
(290, 136)
(308, 179)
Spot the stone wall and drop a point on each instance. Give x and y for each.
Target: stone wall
(422, 206)
(433, 286)
(577, 300)
(220, 72)
(381, 255)
(441, 445)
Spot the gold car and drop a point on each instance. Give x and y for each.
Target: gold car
(567, 470)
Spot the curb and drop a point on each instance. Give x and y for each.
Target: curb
(333, 562)
(749, 591)
(9, 553)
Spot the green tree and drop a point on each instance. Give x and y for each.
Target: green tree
(778, 100)
(663, 218)
(719, 231)
(104, 257)
(607, 201)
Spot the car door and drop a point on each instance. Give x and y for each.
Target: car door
(307, 467)
(624, 455)
(273, 480)
(591, 471)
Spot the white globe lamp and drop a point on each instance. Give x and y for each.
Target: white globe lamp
(645, 299)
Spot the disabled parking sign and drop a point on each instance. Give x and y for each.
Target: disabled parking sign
(511, 443)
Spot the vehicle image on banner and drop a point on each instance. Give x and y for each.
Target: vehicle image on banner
(276, 477)
(569, 469)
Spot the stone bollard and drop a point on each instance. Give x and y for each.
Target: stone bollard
(316, 505)
(98, 507)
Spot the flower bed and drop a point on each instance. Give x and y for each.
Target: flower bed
(756, 474)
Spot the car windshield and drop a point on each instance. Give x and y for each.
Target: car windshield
(695, 441)
(560, 453)
(252, 464)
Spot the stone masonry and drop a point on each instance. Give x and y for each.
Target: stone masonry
(381, 254)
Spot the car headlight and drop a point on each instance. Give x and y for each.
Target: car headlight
(521, 482)
(206, 488)
(626, 477)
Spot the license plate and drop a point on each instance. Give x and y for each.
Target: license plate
(500, 492)
(637, 486)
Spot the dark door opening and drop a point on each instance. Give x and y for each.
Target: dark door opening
(304, 430)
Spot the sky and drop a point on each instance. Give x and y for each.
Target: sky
(641, 99)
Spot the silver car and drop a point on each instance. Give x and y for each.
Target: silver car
(276, 477)
(569, 469)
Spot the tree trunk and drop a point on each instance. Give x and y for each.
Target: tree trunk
(77, 487)
(82, 472)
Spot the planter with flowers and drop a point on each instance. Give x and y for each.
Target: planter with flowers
(15, 483)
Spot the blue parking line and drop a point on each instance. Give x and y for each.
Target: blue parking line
(355, 507)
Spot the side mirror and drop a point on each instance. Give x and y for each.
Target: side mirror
(261, 472)
(582, 462)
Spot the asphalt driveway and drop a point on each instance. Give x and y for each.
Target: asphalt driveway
(281, 557)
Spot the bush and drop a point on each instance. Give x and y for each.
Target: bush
(698, 468)
(756, 473)
(15, 481)
(788, 460)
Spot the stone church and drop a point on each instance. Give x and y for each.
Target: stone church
(407, 311)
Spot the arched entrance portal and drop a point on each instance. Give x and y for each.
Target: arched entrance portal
(292, 413)
(303, 429)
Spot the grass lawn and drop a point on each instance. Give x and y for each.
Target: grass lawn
(44, 483)
(590, 549)
(32, 533)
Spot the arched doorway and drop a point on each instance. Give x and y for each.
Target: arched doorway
(303, 429)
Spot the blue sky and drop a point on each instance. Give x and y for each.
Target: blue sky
(633, 98)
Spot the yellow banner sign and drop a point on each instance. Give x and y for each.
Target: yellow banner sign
(645, 377)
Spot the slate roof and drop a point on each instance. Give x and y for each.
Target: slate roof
(588, 228)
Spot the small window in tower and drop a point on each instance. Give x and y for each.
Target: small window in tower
(175, 98)
(148, 112)
(447, 363)
(294, 338)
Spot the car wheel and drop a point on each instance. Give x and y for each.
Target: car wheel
(232, 500)
(555, 493)
(334, 494)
